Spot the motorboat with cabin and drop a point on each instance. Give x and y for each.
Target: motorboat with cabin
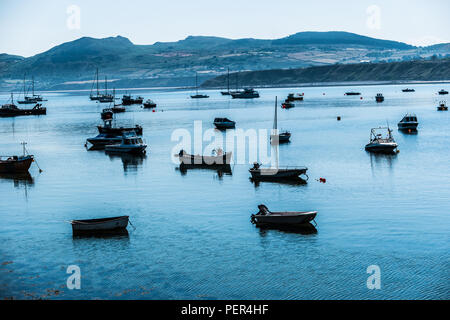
(128, 100)
(224, 123)
(16, 164)
(130, 143)
(104, 139)
(11, 110)
(107, 114)
(287, 105)
(149, 104)
(408, 123)
(442, 106)
(380, 144)
(379, 97)
(266, 217)
(247, 93)
(294, 97)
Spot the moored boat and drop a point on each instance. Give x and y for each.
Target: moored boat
(128, 100)
(277, 174)
(294, 97)
(247, 93)
(442, 106)
(104, 139)
(224, 123)
(99, 225)
(380, 144)
(129, 143)
(276, 137)
(287, 105)
(408, 90)
(219, 159)
(108, 128)
(107, 114)
(443, 92)
(149, 104)
(353, 93)
(266, 217)
(409, 122)
(379, 97)
(11, 110)
(16, 164)
(197, 95)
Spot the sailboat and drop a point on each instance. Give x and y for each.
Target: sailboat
(116, 107)
(227, 93)
(97, 96)
(198, 96)
(276, 137)
(34, 98)
(106, 97)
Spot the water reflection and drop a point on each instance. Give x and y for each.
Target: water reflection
(304, 229)
(116, 235)
(291, 182)
(220, 169)
(379, 159)
(131, 162)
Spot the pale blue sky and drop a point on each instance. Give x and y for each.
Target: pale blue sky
(28, 27)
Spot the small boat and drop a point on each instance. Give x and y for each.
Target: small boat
(104, 139)
(107, 128)
(219, 159)
(247, 93)
(99, 225)
(224, 123)
(442, 106)
(128, 100)
(34, 98)
(353, 93)
(11, 110)
(105, 98)
(277, 174)
(378, 144)
(129, 143)
(287, 105)
(266, 217)
(276, 137)
(107, 114)
(379, 97)
(118, 109)
(408, 90)
(443, 92)
(16, 164)
(409, 122)
(149, 104)
(197, 95)
(293, 97)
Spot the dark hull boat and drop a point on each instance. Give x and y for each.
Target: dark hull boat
(353, 93)
(283, 137)
(408, 90)
(15, 164)
(103, 140)
(105, 225)
(224, 123)
(292, 97)
(443, 92)
(276, 174)
(266, 217)
(107, 128)
(11, 110)
(408, 123)
(118, 109)
(199, 96)
(287, 105)
(189, 159)
(246, 94)
(149, 104)
(107, 114)
(128, 100)
(442, 106)
(379, 98)
(378, 144)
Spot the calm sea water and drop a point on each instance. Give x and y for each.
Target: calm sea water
(193, 236)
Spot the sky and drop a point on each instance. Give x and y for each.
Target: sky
(28, 27)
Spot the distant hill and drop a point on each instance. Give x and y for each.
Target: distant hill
(430, 70)
(165, 63)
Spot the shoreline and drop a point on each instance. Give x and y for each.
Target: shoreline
(293, 85)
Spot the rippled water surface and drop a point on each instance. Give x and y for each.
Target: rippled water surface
(193, 236)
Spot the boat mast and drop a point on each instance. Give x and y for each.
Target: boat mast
(228, 80)
(32, 84)
(97, 82)
(24, 93)
(196, 82)
(275, 120)
(106, 86)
